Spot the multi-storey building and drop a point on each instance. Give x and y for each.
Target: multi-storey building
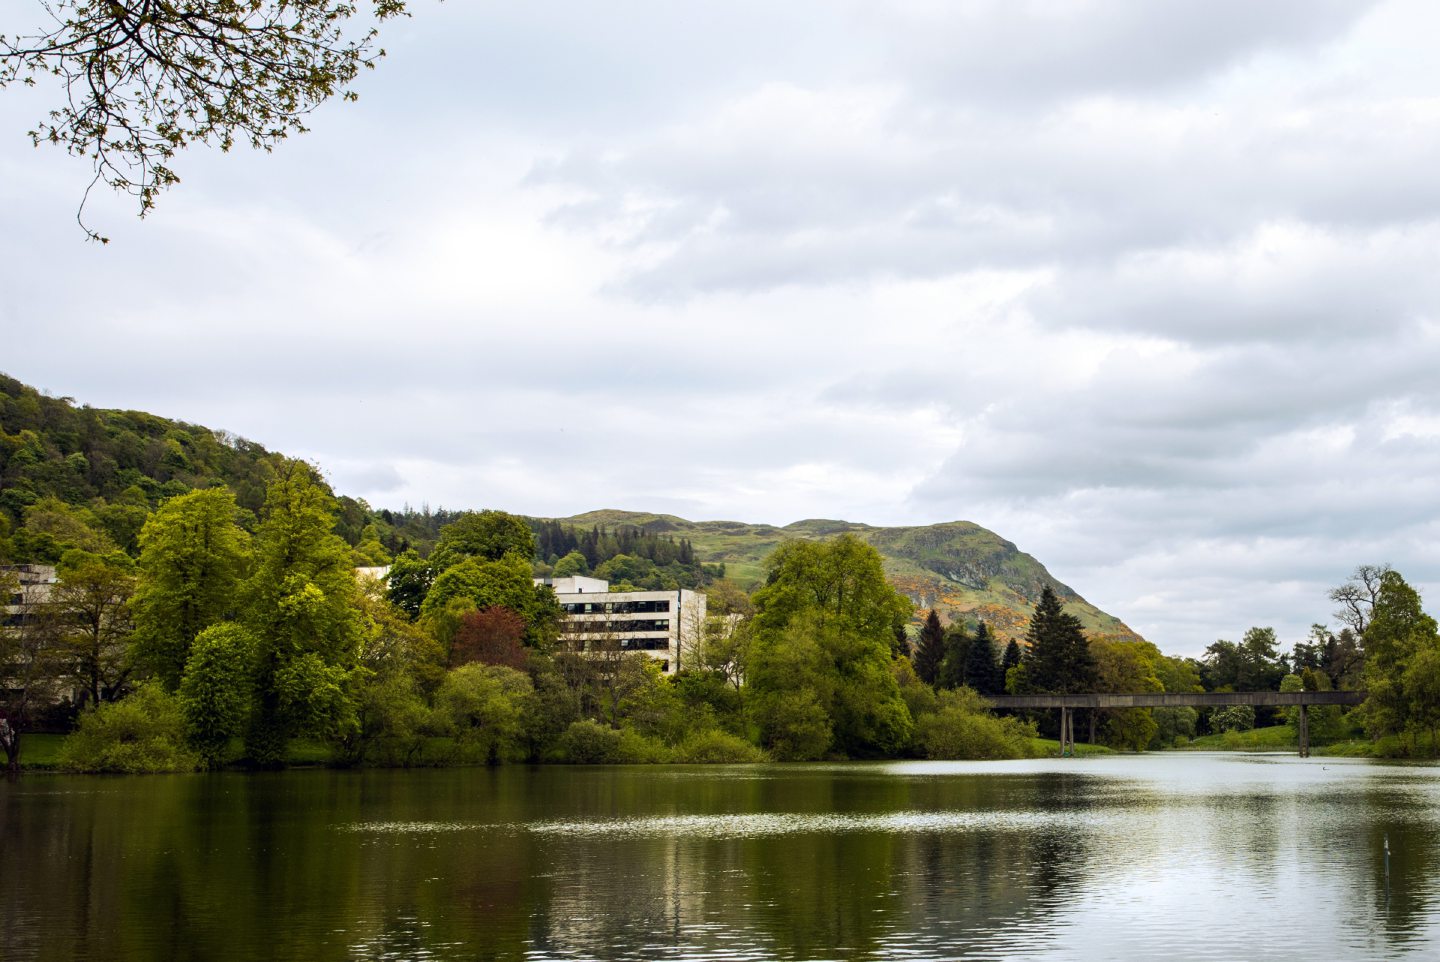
(26, 586)
(665, 625)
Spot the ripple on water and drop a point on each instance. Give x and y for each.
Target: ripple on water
(756, 825)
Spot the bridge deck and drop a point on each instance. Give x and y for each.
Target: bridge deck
(1177, 699)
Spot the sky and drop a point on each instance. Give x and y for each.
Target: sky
(1150, 289)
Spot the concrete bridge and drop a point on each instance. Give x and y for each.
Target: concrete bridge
(1178, 699)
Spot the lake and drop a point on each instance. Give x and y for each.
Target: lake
(1179, 856)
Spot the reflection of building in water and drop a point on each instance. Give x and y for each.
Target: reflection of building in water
(665, 625)
(600, 901)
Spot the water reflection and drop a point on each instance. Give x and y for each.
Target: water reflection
(1124, 858)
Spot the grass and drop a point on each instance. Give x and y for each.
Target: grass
(1273, 738)
(1050, 747)
(40, 752)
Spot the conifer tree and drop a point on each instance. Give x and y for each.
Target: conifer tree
(981, 668)
(1060, 659)
(952, 667)
(1011, 659)
(930, 649)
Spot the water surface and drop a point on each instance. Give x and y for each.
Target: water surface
(1184, 856)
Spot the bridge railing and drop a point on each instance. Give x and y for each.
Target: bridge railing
(1178, 699)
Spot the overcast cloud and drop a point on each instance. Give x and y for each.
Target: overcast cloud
(1149, 289)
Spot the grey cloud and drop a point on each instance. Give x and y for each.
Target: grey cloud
(1009, 50)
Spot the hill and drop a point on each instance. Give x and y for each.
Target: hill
(72, 475)
(962, 570)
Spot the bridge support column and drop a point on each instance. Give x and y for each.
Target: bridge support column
(1304, 731)
(1067, 732)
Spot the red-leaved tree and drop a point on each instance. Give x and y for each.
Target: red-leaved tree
(490, 636)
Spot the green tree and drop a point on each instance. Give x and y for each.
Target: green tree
(952, 666)
(930, 649)
(1059, 660)
(503, 583)
(1127, 666)
(840, 581)
(369, 552)
(410, 579)
(483, 708)
(215, 692)
(982, 670)
(94, 594)
(571, 565)
(303, 607)
(1012, 657)
(193, 556)
(1233, 718)
(483, 536)
(1398, 633)
(820, 663)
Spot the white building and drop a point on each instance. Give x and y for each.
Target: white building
(26, 585)
(665, 625)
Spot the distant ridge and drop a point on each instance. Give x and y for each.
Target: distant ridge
(962, 570)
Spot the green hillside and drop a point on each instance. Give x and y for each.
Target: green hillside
(76, 476)
(961, 569)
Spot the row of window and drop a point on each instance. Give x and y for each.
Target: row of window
(615, 607)
(614, 627)
(645, 644)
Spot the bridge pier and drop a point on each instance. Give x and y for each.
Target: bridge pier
(1304, 731)
(1067, 732)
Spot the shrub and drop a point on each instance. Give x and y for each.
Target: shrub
(588, 742)
(716, 747)
(963, 729)
(142, 733)
(636, 749)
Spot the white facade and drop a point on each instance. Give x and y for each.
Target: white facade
(664, 625)
(31, 585)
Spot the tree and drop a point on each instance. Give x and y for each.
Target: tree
(841, 581)
(215, 692)
(724, 597)
(492, 636)
(820, 666)
(193, 556)
(930, 649)
(982, 670)
(303, 607)
(1011, 658)
(1399, 635)
(369, 552)
(572, 564)
(504, 582)
(483, 707)
(1233, 718)
(1127, 666)
(143, 80)
(410, 579)
(952, 665)
(1251, 665)
(1358, 596)
(483, 536)
(94, 596)
(1059, 660)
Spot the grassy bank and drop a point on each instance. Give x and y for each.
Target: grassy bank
(1050, 748)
